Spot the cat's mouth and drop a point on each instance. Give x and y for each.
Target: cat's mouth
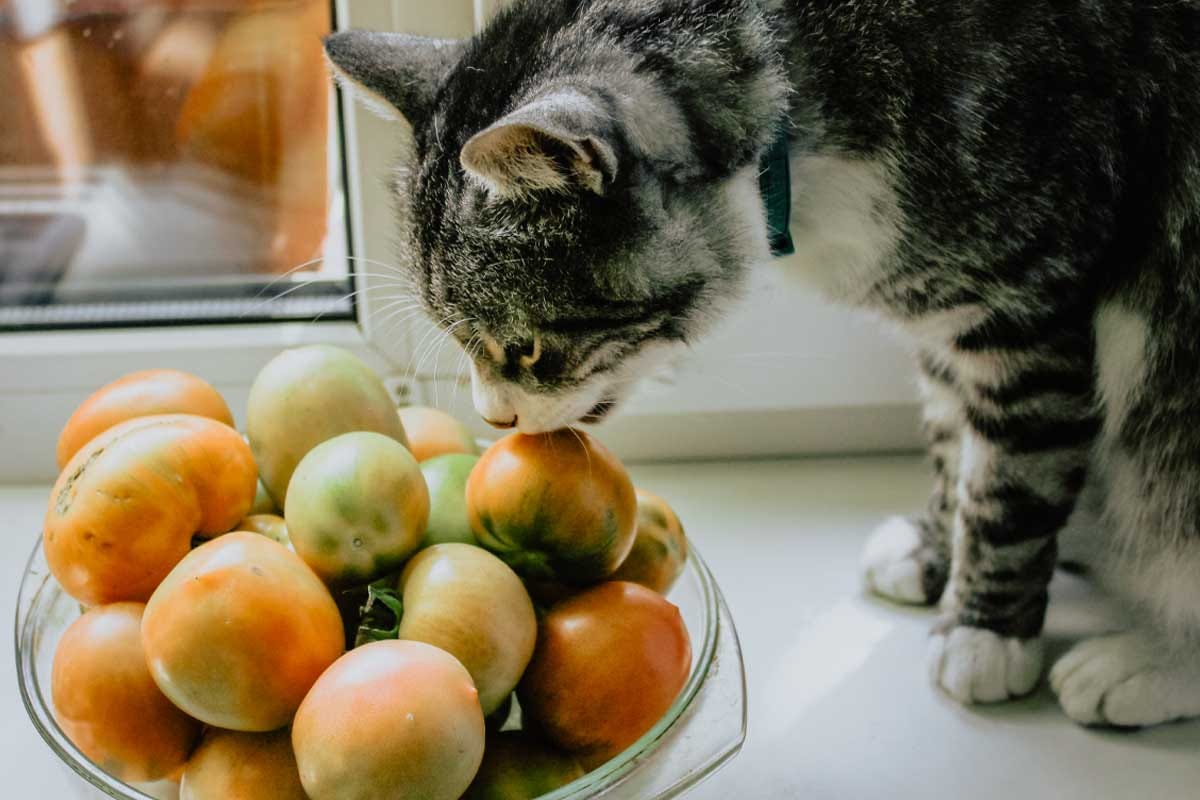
(599, 411)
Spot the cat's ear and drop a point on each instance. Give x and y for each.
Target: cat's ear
(398, 72)
(559, 143)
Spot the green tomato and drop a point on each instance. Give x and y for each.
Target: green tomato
(469, 603)
(446, 477)
(518, 766)
(356, 507)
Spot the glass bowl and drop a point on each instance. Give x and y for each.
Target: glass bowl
(702, 730)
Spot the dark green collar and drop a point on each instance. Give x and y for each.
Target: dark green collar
(775, 184)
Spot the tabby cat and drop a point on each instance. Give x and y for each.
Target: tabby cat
(1015, 184)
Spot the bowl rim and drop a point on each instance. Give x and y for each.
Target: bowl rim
(35, 582)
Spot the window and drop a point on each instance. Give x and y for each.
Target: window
(168, 161)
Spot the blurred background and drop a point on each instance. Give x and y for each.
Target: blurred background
(178, 152)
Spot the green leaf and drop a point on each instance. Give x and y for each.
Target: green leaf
(380, 616)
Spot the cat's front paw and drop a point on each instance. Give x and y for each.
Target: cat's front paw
(898, 563)
(1126, 680)
(974, 665)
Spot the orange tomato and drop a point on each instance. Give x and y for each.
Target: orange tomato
(660, 548)
(608, 664)
(107, 703)
(432, 432)
(230, 765)
(391, 718)
(125, 508)
(239, 631)
(139, 394)
(555, 506)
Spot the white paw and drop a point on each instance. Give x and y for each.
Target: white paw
(889, 562)
(1125, 680)
(974, 665)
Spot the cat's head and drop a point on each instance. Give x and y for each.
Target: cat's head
(555, 216)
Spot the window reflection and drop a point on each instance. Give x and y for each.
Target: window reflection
(171, 152)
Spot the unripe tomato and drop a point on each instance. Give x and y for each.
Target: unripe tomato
(271, 526)
(357, 507)
(239, 631)
(139, 394)
(519, 766)
(660, 547)
(125, 508)
(305, 396)
(432, 432)
(555, 506)
(231, 765)
(390, 719)
(107, 703)
(446, 476)
(466, 601)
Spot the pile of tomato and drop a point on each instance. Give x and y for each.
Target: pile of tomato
(349, 601)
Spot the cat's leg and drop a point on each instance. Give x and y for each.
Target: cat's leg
(907, 559)
(1025, 446)
(1151, 460)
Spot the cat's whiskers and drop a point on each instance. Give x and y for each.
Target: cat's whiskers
(397, 272)
(446, 334)
(459, 366)
(305, 284)
(586, 452)
(437, 363)
(396, 312)
(430, 336)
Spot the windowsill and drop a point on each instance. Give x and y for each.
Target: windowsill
(839, 703)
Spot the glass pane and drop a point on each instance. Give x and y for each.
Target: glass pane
(168, 161)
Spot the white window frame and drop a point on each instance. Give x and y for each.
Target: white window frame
(785, 374)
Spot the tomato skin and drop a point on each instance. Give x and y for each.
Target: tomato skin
(139, 394)
(446, 476)
(466, 601)
(305, 396)
(239, 631)
(660, 549)
(272, 526)
(263, 504)
(107, 703)
(124, 510)
(397, 714)
(519, 766)
(556, 507)
(432, 432)
(608, 664)
(231, 765)
(357, 507)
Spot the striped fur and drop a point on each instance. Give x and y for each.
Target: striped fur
(1015, 186)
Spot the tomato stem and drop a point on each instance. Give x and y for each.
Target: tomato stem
(373, 614)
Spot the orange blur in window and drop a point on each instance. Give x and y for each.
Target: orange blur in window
(225, 103)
